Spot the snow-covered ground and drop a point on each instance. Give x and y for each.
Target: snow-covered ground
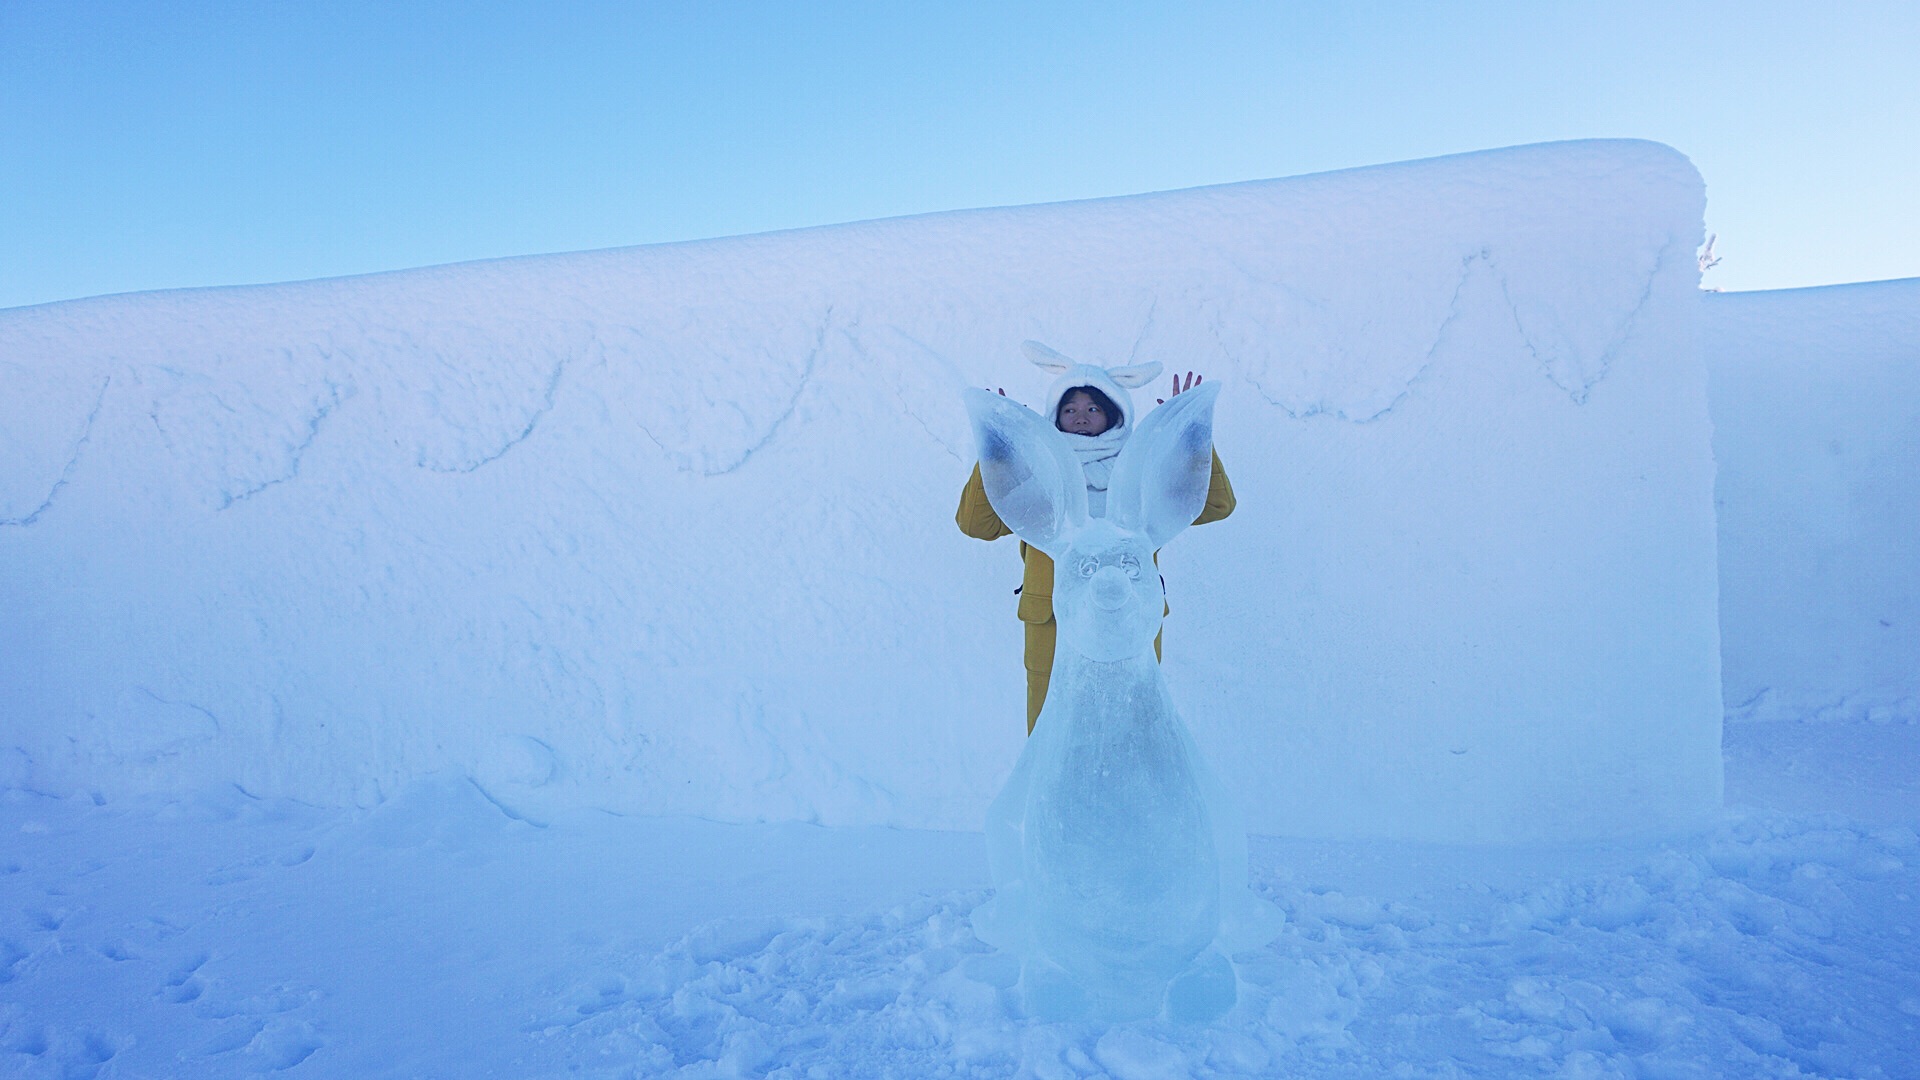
(224, 935)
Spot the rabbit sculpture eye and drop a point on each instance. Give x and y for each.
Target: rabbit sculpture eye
(1119, 864)
(1127, 561)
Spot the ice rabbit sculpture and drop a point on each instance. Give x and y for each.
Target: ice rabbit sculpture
(1119, 862)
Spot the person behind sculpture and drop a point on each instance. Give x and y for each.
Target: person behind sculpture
(1092, 403)
(1118, 858)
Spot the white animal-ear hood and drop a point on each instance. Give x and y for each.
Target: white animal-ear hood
(1113, 382)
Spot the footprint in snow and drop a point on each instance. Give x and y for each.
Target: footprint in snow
(184, 984)
(41, 919)
(188, 990)
(236, 1036)
(88, 1048)
(30, 1041)
(182, 971)
(281, 1046)
(11, 954)
(75, 1054)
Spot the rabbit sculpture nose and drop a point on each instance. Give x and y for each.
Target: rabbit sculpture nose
(1111, 588)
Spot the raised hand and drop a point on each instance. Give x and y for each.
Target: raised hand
(1192, 381)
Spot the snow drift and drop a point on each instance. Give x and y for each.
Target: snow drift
(1816, 410)
(669, 529)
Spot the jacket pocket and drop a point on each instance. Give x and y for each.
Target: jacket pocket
(1035, 607)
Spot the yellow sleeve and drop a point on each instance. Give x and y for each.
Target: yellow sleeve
(1219, 494)
(977, 519)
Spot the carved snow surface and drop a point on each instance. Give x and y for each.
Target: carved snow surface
(683, 514)
(243, 423)
(46, 419)
(1119, 861)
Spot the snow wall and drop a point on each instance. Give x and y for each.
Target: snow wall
(1816, 407)
(669, 529)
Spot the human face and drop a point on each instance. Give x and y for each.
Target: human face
(1081, 415)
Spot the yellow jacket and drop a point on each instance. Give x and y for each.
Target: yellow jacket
(977, 519)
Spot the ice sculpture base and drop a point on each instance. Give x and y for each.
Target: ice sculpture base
(1118, 858)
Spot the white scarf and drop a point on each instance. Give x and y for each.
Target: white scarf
(1096, 454)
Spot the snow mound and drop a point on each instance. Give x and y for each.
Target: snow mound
(910, 992)
(221, 935)
(668, 529)
(1577, 975)
(1816, 410)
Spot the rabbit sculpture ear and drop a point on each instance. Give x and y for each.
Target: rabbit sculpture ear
(1047, 360)
(1160, 478)
(1032, 478)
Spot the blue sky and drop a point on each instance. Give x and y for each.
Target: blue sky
(156, 145)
